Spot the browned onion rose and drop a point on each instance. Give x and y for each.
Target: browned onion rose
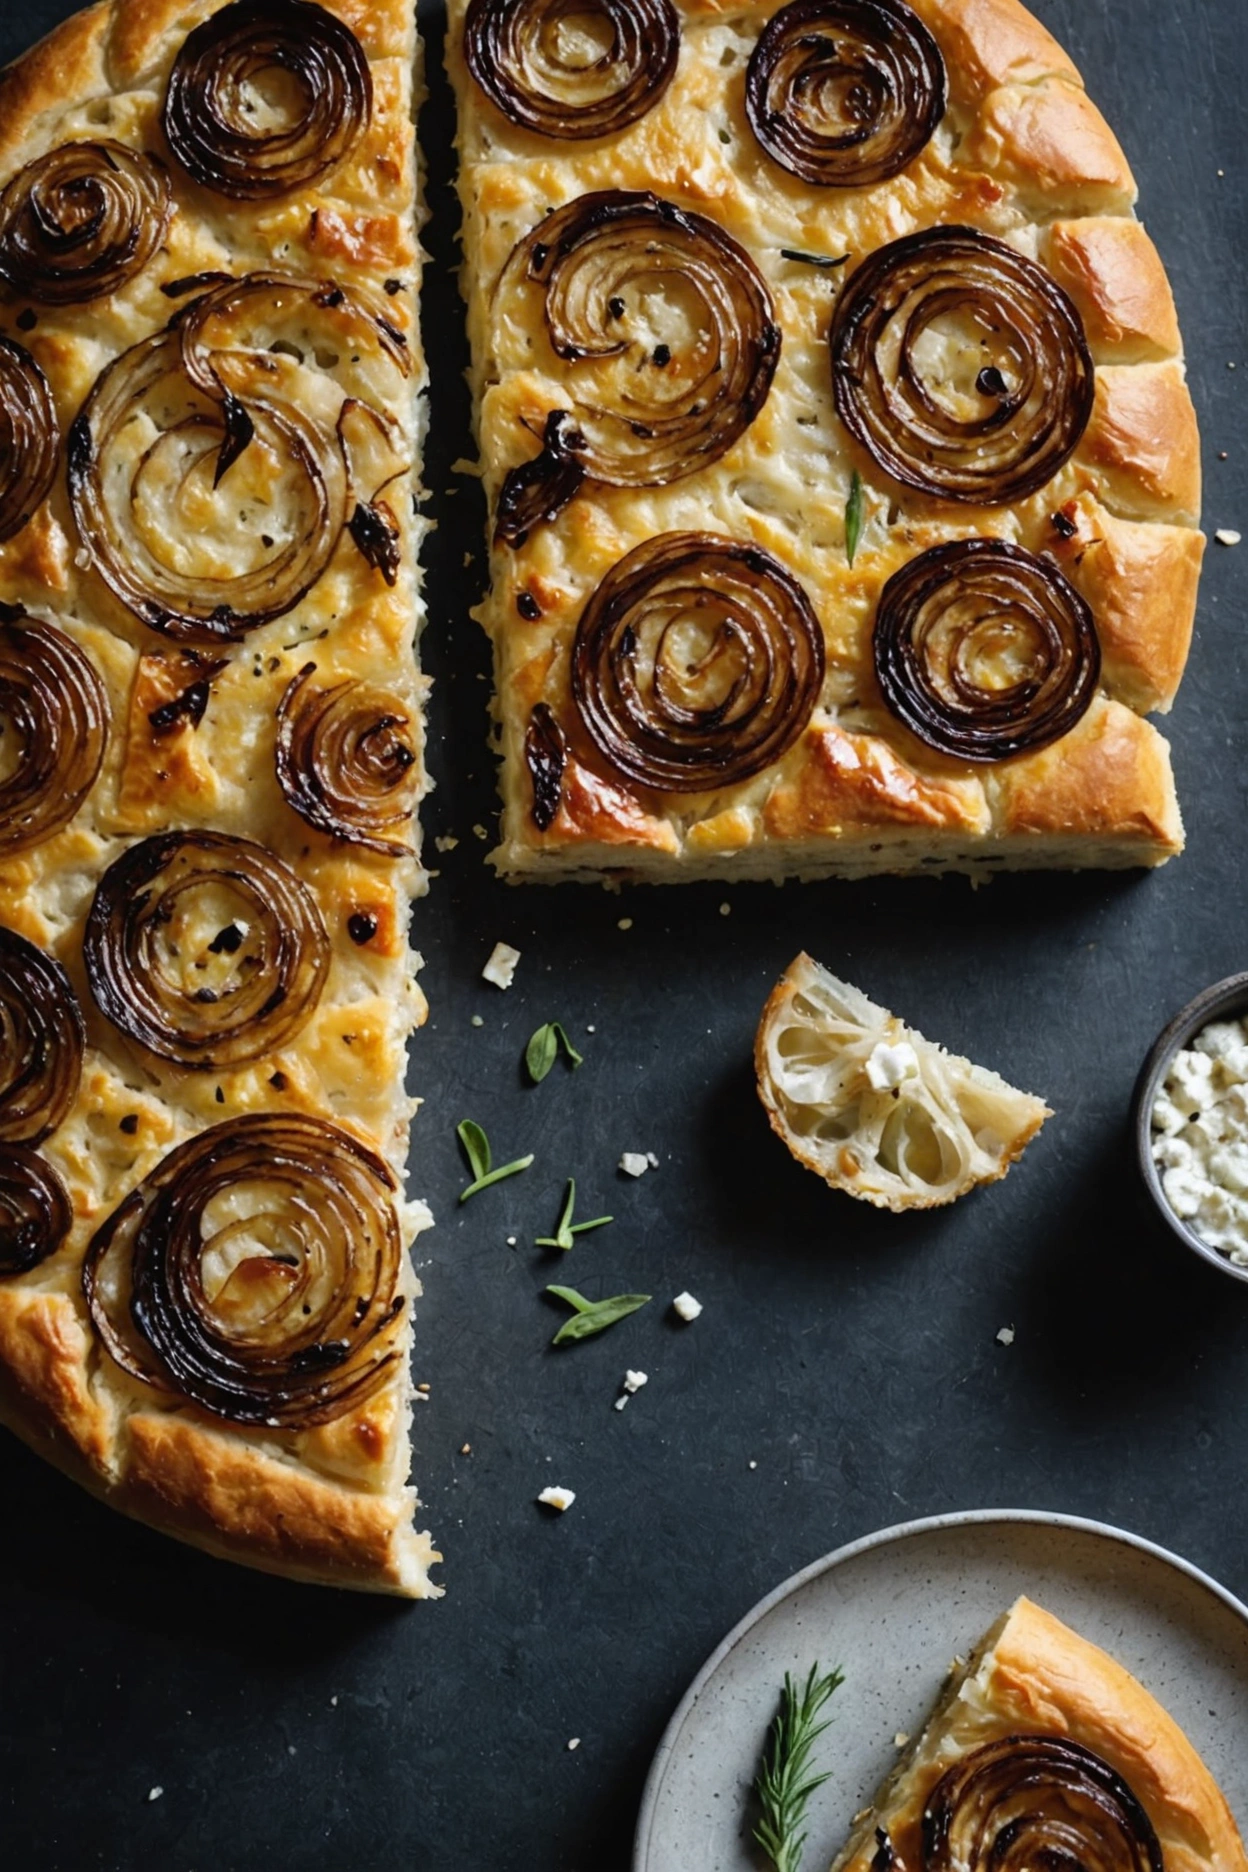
(845, 93)
(697, 662)
(249, 430)
(81, 220)
(206, 949)
(220, 118)
(641, 414)
(35, 1210)
(985, 651)
(256, 1271)
(41, 1041)
(29, 438)
(1035, 1800)
(56, 709)
(572, 68)
(991, 440)
(546, 756)
(347, 762)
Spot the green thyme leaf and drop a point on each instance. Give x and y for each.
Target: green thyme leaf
(477, 1151)
(784, 1783)
(566, 1230)
(826, 261)
(543, 1049)
(592, 1316)
(853, 516)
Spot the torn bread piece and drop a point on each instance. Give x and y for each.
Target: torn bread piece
(873, 1107)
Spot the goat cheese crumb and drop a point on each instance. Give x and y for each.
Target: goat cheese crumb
(1227, 536)
(1006, 1336)
(686, 1306)
(900, 1739)
(155, 1793)
(501, 967)
(1200, 1137)
(625, 923)
(574, 1742)
(477, 1021)
(889, 1066)
(446, 843)
(634, 1163)
(560, 1498)
(633, 1380)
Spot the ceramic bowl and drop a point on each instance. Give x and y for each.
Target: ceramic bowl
(1225, 1000)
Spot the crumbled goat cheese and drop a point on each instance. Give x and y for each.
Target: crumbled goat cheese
(686, 1306)
(501, 967)
(574, 1742)
(625, 923)
(155, 1793)
(1006, 1336)
(634, 1163)
(477, 1021)
(1227, 536)
(900, 1739)
(633, 1380)
(1200, 1137)
(888, 1066)
(446, 843)
(560, 1498)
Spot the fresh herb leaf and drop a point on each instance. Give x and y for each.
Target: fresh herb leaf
(826, 261)
(592, 1316)
(853, 516)
(543, 1049)
(477, 1151)
(784, 1784)
(566, 1230)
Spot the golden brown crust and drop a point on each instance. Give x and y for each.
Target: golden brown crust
(988, 43)
(45, 1355)
(1144, 440)
(1051, 141)
(851, 781)
(1114, 274)
(1109, 778)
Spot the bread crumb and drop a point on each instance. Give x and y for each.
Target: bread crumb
(686, 1306)
(625, 923)
(900, 1739)
(1227, 536)
(501, 967)
(447, 842)
(557, 1497)
(466, 1449)
(477, 1021)
(479, 831)
(725, 909)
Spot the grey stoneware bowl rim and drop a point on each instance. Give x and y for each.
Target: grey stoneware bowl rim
(903, 1530)
(1221, 998)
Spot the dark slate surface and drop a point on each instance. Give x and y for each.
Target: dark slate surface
(852, 1356)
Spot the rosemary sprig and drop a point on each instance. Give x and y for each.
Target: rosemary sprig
(566, 1230)
(477, 1151)
(543, 1049)
(784, 1784)
(853, 516)
(592, 1316)
(824, 261)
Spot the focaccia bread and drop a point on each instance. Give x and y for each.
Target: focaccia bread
(843, 480)
(208, 844)
(875, 1109)
(1045, 1751)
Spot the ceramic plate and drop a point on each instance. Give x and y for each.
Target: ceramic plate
(892, 1611)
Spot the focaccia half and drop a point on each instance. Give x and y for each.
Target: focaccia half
(205, 1315)
(602, 776)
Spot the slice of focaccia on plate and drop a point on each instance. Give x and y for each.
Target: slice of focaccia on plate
(874, 1108)
(1047, 1754)
(211, 376)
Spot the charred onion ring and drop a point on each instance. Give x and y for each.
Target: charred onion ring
(35, 1210)
(345, 760)
(517, 52)
(279, 1308)
(844, 93)
(697, 662)
(168, 420)
(546, 756)
(948, 615)
(257, 992)
(29, 438)
(41, 1041)
(664, 413)
(1031, 401)
(57, 711)
(81, 220)
(210, 118)
(1034, 1800)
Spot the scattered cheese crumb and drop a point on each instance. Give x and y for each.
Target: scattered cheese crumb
(652, 1160)
(725, 909)
(501, 967)
(560, 1498)
(591, 1029)
(466, 1449)
(511, 1241)
(479, 831)
(1006, 1336)
(625, 923)
(574, 1742)
(900, 1739)
(424, 1387)
(633, 1380)
(889, 1066)
(333, 1702)
(753, 1465)
(155, 1793)
(686, 1306)
(477, 1021)
(446, 843)
(1227, 536)
(634, 1163)
(620, 1402)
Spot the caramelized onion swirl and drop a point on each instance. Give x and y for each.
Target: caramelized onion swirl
(984, 650)
(697, 662)
(216, 120)
(844, 93)
(1033, 1800)
(546, 756)
(35, 1210)
(641, 414)
(56, 709)
(532, 62)
(206, 949)
(29, 438)
(346, 761)
(256, 1271)
(41, 1041)
(81, 220)
(897, 320)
